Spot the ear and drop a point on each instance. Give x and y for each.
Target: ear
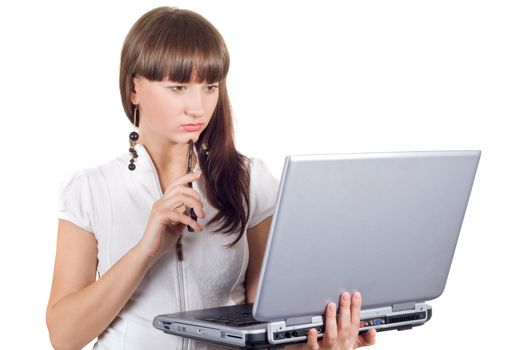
(135, 86)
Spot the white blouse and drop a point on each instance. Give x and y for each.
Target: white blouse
(115, 204)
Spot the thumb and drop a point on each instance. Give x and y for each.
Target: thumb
(369, 338)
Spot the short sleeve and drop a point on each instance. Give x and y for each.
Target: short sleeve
(75, 203)
(263, 192)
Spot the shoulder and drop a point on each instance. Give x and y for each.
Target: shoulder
(84, 178)
(75, 181)
(88, 182)
(258, 167)
(83, 193)
(94, 175)
(260, 174)
(79, 186)
(75, 200)
(263, 191)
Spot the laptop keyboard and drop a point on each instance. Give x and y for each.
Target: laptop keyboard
(236, 320)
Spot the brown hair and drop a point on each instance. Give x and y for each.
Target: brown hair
(181, 44)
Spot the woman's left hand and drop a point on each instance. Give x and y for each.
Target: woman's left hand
(343, 332)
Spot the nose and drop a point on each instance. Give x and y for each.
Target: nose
(195, 103)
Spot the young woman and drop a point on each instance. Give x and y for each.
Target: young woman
(158, 244)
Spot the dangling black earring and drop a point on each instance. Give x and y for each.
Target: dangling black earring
(133, 137)
(205, 150)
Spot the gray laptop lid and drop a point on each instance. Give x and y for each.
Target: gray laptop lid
(385, 224)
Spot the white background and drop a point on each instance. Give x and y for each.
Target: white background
(306, 77)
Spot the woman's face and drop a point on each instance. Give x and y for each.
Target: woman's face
(166, 108)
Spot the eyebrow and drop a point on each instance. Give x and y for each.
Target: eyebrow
(177, 84)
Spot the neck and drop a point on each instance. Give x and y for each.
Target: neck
(168, 157)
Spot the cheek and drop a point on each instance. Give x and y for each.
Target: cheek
(211, 105)
(159, 109)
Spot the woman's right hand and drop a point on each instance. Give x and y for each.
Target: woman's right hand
(168, 217)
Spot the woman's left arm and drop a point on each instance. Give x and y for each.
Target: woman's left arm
(257, 237)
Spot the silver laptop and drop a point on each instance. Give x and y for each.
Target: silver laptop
(385, 224)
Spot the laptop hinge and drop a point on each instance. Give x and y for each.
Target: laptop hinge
(404, 306)
(293, 321)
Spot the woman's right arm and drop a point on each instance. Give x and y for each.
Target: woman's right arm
(79, 308)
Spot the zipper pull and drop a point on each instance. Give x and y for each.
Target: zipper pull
(178, 248)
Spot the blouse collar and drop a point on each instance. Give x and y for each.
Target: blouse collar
(145, 168)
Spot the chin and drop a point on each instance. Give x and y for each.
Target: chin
(186, 138)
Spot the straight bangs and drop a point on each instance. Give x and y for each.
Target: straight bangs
(188, 50)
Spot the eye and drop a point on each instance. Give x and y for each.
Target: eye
(212, 87)
(177, 88)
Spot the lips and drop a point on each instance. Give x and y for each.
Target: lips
(192, 127)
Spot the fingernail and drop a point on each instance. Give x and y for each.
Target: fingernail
(332, 307)
(346, 297)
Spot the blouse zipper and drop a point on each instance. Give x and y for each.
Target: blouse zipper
(180, 274)
(182, 296)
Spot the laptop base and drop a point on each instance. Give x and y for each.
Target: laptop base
(275, 335)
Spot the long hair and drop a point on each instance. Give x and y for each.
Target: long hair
(177, 43)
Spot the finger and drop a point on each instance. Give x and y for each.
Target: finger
(370, 337)
(173, 198)
(180, 202)
(191, 202)
(366, 339)
(311, 342)
(355, 314)
(185, 219)
(330, 328)
(343, 322)
(184, 180)
(181, 188)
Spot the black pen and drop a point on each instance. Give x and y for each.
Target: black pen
(188, 170)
